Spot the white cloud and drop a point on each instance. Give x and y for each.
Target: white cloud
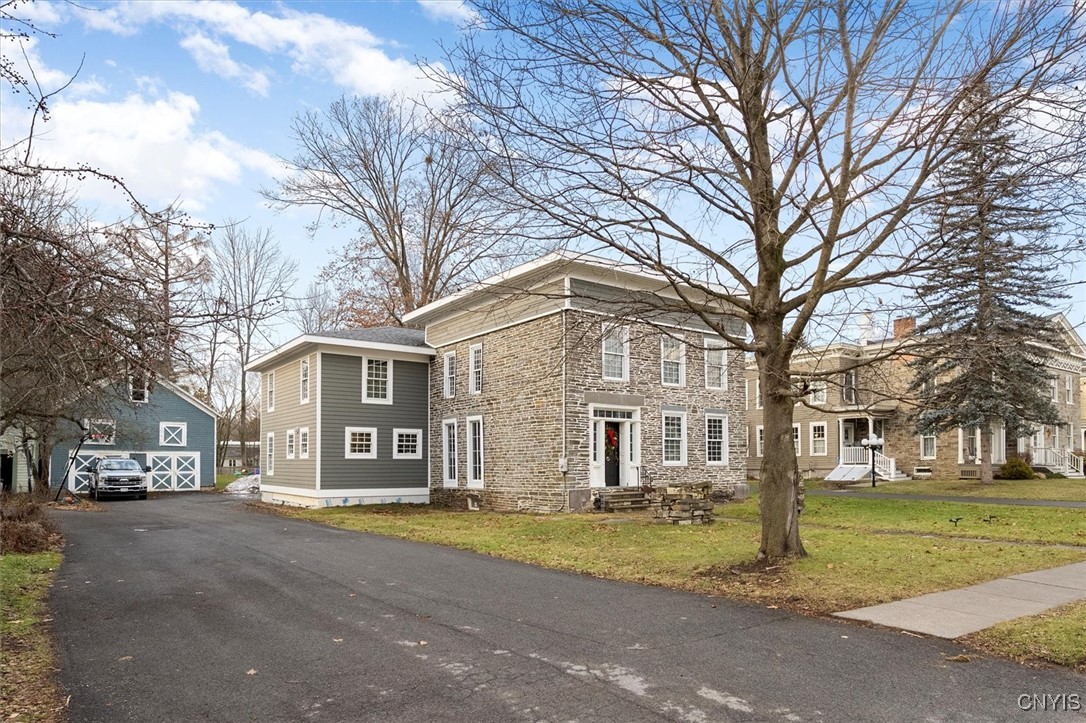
(212, 56)
(315, 44)
(152, 143)
(456, 11)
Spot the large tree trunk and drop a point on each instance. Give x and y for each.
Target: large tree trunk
(984, 454)
(781, 485)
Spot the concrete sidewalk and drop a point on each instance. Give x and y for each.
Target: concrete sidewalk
(955, 613)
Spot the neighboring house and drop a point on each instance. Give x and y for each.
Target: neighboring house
(343, 418)
(232, 462)
(527, 391)
(163, 427)
(850, 398)
(15, 474)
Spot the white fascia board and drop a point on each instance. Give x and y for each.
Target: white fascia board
(332, 341)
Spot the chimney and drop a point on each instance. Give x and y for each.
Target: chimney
(904, 326)
(867, 326)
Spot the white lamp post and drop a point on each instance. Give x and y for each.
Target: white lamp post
(874, 444)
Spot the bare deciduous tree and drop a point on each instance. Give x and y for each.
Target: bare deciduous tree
(252, 282)
(786, 150)
(430, 210)
(318, 310)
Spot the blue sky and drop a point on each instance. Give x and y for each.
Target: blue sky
(193, 101)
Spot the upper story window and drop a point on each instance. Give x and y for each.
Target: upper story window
(818, 391)
(450, 375)
(716, 365)
(1055, 389)
(172, 434)
(377, 381)
(848, 387)
(1070, 388)
(475, 359)
(757, 393)
(269, 382)
(672, 361)
(137, 388)
(303, 381)
(100, 431)
(616, 353)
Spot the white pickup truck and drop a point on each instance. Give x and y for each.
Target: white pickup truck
(112, 476)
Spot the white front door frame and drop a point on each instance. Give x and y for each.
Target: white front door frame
(629, 445)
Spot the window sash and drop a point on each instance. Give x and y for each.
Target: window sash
(616, 354)
(716, 365)
(674, 438)
(290, 443)
(448, 453)
(360, 443)
(716, 443)
(759, 439)
(303, 380)
(270, 380)
(818, 391)
(407, 444)
(475, 354)
(819, 440)
(269, 454)
(378, 380)
(927, 446)
(303, 443)
(476, 469)
(797, 444)
(450, 375)
(672, 357)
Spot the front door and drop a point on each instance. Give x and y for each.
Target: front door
(612, 454)
(848, 434)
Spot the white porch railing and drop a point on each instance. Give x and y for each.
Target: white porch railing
(855, 455)
(885, 466)
(1061, 460)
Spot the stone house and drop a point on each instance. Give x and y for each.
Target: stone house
(859, 388)
(536, 388)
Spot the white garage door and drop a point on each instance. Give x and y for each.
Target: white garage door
(174, 471)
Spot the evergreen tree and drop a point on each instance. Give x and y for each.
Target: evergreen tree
(975, 368)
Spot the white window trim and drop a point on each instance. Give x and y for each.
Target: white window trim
(396, 442)
(89, 425)
(847, 389)
(825, 438)
(666, 338)
(625, 332)
(820, 390)
(723, 442)
(716, 345)
(797, 438)
(448, 382)
(934, 446)
(1069, 387)
(269, 383)
(366, 399)
(1055, 390)
(759, 440)
(304, 374)
(475, 355)
(347, 454)
(162, 434)
(757, 393)
(269, 455)
(303, 450)
(472, 481)
(292, 443)
(682, 462)
(453, 481)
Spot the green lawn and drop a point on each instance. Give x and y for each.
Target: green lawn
(1068, 490)
(28, 690)
(221, 480)
(1057, 636)
(862, 551)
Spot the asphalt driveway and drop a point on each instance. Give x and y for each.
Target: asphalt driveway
(194, 607)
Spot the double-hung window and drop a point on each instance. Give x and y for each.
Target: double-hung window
(674, 438)
(848, 387)
(757, 393)
(716, 439)
(818, 391)
(448, 452)
(616, 353)
(291, 440)
(269, 455)
(475, 359)
(716, 365)
(303, 381)
(672, 361)
(269, 382)
(1070, 388)
(797, 432)
(927, 446)
(360, 443)
(450, 375)
(303, 443)
(1055, 389)
(818, 439)
(406, 444)
(377, 381)
(475, 452)
(759, 439)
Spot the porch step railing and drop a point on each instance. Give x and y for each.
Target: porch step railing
(861, 457)
(1059, 460)
(885, 466)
